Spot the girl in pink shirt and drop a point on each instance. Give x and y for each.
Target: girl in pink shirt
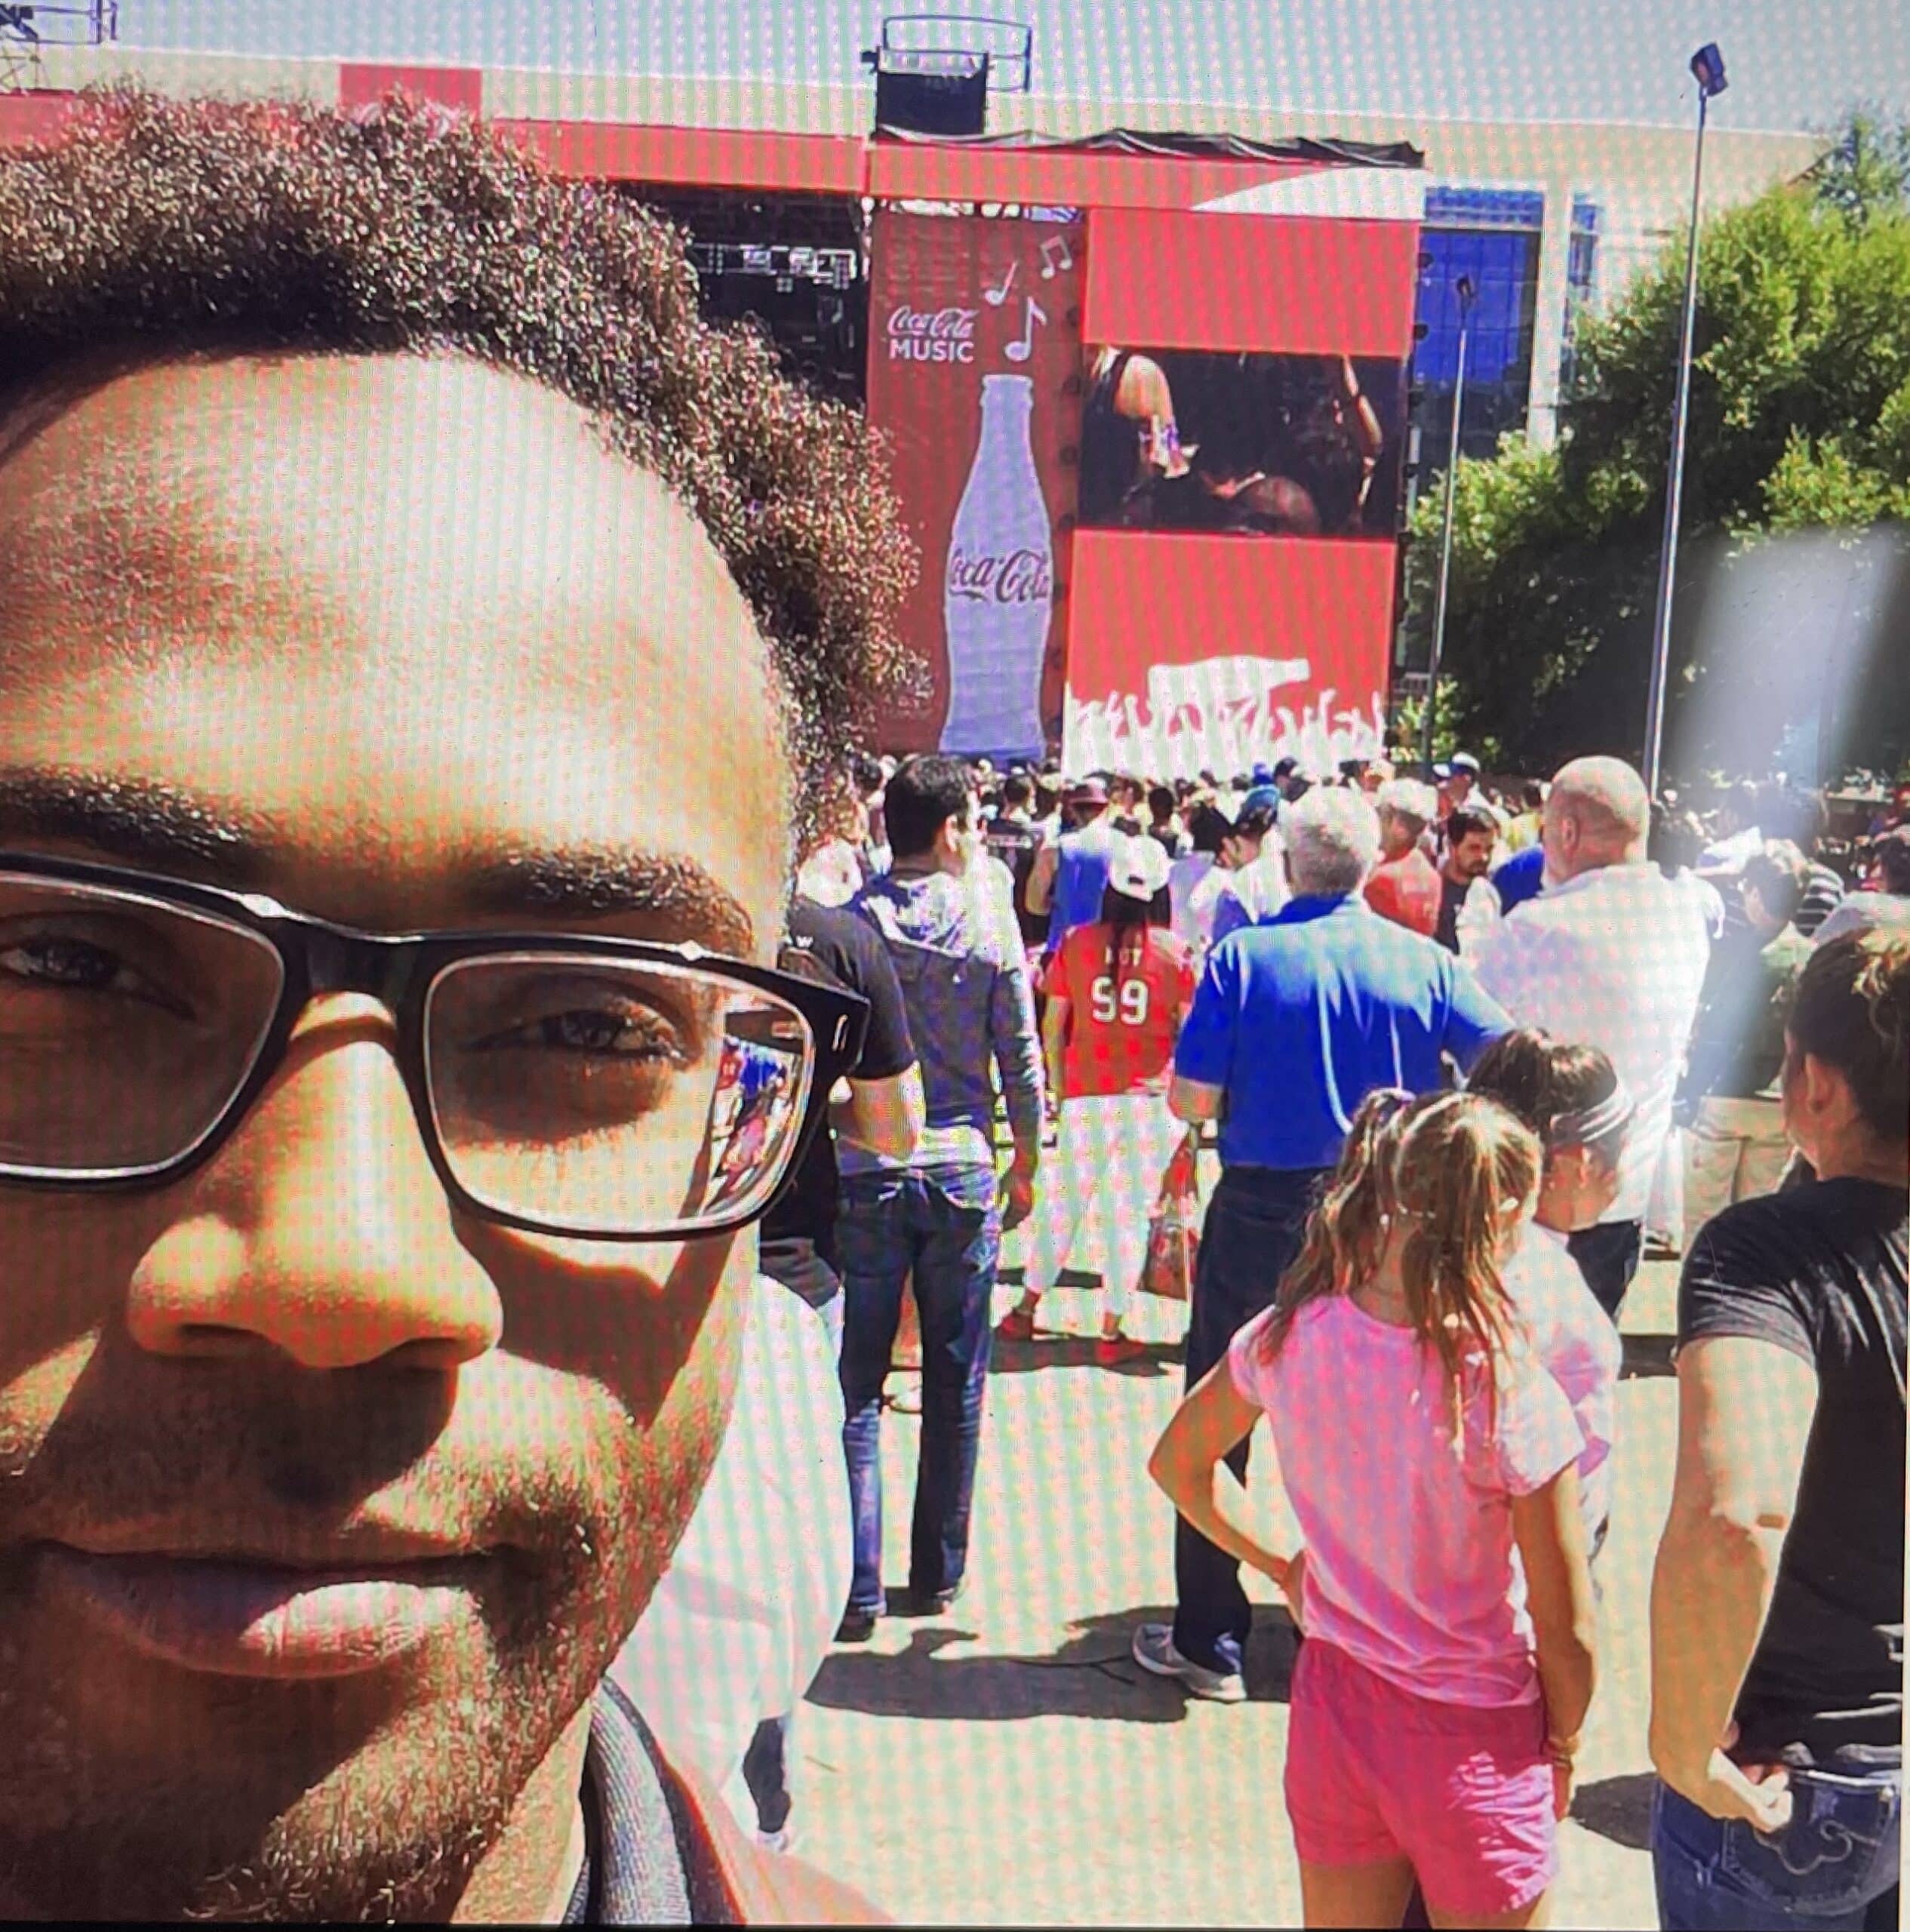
(1431, 1462)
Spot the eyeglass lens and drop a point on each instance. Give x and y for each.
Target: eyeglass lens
(579, 1092)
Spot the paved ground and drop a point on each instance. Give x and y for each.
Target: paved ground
(1009, 1763)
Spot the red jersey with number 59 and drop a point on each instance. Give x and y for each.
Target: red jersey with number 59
(1123, 1015)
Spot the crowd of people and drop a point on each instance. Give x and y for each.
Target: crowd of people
(457, 1212)
(1451, 1039)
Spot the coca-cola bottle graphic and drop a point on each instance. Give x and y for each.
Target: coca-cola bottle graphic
(1000, 586)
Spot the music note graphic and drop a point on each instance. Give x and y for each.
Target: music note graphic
(1019, 351)
(1056, 244)
(994, 297)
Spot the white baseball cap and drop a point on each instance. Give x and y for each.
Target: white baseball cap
(1137, 866)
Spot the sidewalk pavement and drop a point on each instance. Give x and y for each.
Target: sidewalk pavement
(1008, 1763)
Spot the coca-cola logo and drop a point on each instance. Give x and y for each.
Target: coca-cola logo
(1021, 576)
(931, 335)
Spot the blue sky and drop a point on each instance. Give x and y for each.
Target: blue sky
(1794, 64)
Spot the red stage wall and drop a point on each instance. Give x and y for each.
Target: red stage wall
(1186, 650)
(1243, 610)
(958, 301)
(1312, 284)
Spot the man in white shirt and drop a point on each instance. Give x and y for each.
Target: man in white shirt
(1611, 953)
(741, 1619)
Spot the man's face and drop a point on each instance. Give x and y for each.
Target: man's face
(351, 632)
(1471, 857)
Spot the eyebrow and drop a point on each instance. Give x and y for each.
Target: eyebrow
(590, 882)
(140, 822)
(146, 823)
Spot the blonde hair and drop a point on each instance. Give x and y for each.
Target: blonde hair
(1457, 1169)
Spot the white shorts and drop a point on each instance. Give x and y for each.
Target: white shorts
(1098, 1189)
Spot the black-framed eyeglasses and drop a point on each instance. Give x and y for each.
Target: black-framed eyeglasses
(613, 1089)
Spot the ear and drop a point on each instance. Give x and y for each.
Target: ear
(1828, 1100)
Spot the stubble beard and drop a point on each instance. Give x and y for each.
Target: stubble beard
(376, 1821)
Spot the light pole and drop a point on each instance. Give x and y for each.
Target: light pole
(1708, 70)
(1464, 290)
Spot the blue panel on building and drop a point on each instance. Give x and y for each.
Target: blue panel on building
(1489, 235)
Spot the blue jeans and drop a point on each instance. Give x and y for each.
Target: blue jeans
(1833, 1868)
(1253, 1231)
(940, 1223)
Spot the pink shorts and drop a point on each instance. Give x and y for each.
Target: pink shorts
(1465, 1792)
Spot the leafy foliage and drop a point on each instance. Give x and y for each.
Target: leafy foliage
(1800, 419)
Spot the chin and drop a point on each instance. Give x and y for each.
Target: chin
(282, 1817)
(130, 1787)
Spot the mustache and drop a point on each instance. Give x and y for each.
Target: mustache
(311, 1467)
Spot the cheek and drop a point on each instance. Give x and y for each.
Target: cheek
(65, 1262)
(653, 1331)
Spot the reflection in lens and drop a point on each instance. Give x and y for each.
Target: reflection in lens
(594, 1095)
(127, 1026)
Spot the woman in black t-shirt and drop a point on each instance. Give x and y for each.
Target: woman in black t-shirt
(1776, 1610)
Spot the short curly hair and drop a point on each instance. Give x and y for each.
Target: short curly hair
(152, 228)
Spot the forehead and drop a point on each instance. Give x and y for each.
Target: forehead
(397, 608)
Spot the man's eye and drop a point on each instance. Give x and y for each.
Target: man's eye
(605, 1033)
(72, 963)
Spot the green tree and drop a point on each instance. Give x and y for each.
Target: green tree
(1799, 420)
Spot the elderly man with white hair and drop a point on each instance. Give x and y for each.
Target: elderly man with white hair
(1612, 954)
(1296, 1020)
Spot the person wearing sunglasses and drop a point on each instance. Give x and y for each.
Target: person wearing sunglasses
(392, 1068)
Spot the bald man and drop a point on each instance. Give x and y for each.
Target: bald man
(1612, 954)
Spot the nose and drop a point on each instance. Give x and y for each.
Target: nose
(320, 1229)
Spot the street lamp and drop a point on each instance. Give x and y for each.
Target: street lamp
(1466, 293)
(1708, 70)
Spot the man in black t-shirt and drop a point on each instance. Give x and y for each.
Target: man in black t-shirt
(1470, 835)
(1776, 1615)
(883, 1109)
(1013, 836)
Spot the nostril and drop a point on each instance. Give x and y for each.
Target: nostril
(210, 1336)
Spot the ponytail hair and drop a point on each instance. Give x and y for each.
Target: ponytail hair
(1454, 1171)
(1851, 1010)
(1127, 920)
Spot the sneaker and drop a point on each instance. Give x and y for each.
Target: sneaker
(1153, 1650)
(857, 1626)
(935, 1603)
(1111, 1351)
(782, 1841)
(1017, 1325)
(907, 1401)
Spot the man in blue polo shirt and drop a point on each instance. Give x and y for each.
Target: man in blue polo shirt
(1295, 1021)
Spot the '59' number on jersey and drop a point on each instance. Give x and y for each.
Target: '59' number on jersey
(1127, 1005)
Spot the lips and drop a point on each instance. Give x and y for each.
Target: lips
(236, 1616)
